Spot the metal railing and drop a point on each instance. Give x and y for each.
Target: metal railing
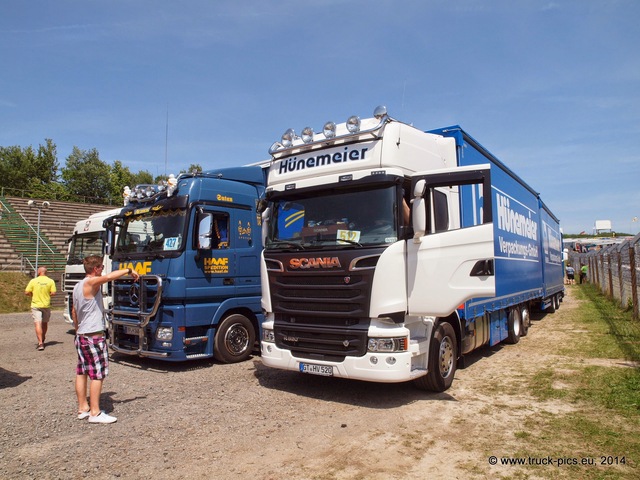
(62, 197)
(615, 269)
(25, 264)
(10, 217)
(38, 236)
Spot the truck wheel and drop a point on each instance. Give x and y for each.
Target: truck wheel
(234, 339)
(514, 325)
(526, 321)
(443, 353)
(556, 302)
(552, 306)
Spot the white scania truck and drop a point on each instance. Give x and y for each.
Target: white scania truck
(390, 252)
(87, 239)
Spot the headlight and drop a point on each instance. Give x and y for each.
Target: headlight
(387, 344)
(268, 335)
(164, 333)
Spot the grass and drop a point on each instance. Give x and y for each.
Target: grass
(604, 425)
(12, 297)
(614, 332)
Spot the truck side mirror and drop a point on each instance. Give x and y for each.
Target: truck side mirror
(419, 210)
(266, 214)
(107, 246)
(205, 230)
(262, 206)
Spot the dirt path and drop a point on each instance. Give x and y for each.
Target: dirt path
(206, 420)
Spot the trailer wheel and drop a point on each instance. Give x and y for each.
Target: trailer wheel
(556, 302)
(526, 321)
(234, 339)
(514, 325)
(443, 353)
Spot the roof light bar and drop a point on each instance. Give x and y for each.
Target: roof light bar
(330, 131)
(147, 192)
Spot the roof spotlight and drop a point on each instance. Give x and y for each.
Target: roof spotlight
(353, 124)
(307, 134)
(380, 111)
(288, 137)
(329, 129)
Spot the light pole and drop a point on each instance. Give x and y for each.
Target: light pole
(39, 206)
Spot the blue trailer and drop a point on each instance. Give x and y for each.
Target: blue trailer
(391, 253)
(196, 244)
(528, 268)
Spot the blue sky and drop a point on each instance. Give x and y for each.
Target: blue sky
(551, 87)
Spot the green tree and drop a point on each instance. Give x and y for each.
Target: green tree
(46, 164)
(11, 169)
(194, 167)
(120, 177)
(24, 169)
(141, 178)
(87, 177)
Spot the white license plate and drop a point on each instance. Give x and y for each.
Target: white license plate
(131, 330)
(325, 370)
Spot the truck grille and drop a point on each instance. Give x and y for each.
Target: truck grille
(71, 279)
(320, 342)
(327, 294)
(324, 314)
(126, 298)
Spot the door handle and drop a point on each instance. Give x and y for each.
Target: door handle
(482, 268)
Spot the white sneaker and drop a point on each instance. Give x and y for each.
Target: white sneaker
(83, 415)
(102, 418)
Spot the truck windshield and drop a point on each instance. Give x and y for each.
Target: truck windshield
(337, 217)
(152, 232)
(84, 245)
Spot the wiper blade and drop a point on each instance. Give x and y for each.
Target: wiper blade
(352, 242)
(336, 241)
(281, 243)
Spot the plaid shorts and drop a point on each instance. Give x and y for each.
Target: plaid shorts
(93, 357)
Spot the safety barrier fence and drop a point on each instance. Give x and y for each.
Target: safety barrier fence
(615, 269)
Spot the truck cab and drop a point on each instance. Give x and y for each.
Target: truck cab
(196, 245)
(88, 239)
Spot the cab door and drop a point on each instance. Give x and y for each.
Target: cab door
(451, 256)
(210, 269)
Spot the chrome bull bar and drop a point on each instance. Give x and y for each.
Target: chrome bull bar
(139, 319)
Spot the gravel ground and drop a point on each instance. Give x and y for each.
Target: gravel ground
(205, 419)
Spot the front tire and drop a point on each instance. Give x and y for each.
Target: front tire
(443, 356)
(234, 339)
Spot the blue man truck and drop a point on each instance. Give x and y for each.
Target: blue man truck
(391, 253)
(196, 243)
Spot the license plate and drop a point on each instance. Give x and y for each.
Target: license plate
(131, 330)
(325, 370)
